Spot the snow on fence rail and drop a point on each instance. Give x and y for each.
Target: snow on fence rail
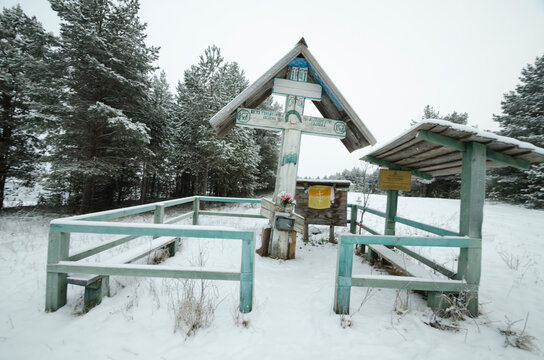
(60, 262)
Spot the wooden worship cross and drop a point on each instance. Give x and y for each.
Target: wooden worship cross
(292, 123)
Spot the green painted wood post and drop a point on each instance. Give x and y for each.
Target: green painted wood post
(344, 266)
(158, 215)
(196, 209)
(95, 291)
(391, 212)
(173, 247)
(353, 219)
(55, 287)
(471, 217)
(247, 273)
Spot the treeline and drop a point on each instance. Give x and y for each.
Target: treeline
(89, 115)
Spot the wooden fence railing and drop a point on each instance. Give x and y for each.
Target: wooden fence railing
(60, 262)
(420, 280)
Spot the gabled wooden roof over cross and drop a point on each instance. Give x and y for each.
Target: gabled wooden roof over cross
(332, 104)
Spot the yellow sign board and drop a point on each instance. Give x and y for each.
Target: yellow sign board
(319, 197)
(395, 180)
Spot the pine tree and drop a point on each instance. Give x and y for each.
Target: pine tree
(102, 137)
(205, 163)
(522, 118)
(430, 113)
(25, 50)
(156, 173)
(269, 142)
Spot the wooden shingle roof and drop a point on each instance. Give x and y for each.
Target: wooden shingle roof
(332, 105)
(434, 147)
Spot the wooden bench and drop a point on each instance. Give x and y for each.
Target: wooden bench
(417, 278)
(400, 262)
(97, 286)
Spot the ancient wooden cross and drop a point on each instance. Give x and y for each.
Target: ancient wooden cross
(292, 123)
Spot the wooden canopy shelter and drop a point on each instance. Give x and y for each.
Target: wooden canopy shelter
(436, 148)
(333, 105)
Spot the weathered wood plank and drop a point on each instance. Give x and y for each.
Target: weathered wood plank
(297, 88)
(429, 228)
(175, 202)
(229, 214)
(99, 227)
(393, 166)
(401, 263)
(229, 199)
(410, 283)
(141, 271)
(440, 155)
(461, 242)
(125, 258)
(430, 263)
(115, 214)
(179, 218)
(97, 249)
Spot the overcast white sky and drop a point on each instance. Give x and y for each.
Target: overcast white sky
(388, 58)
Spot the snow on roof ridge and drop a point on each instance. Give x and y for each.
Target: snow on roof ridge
(459, 127)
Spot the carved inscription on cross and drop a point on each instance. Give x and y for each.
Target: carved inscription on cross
(292, 123)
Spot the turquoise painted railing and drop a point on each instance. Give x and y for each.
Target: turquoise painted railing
(435, 287)
(60, 262)
(415, 224)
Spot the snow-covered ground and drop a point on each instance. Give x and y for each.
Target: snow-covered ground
(292, 317)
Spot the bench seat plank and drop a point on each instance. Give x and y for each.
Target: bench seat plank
(123, 258)
(402, 263)
(409, 283)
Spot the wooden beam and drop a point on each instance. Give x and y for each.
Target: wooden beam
(429, 228)
(394, 166)
(460, 146)
(179, 218)
(99, 227)
(98, 249)
(430, 263)
(141, 271)
(218, 213)
(409, 283)
(508, 160)
(440, 140)
(450, 241)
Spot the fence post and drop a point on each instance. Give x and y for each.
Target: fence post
(353, 219)
(196, 208)
(344, 267)
(158, 215)
(55, 287)
(247, 273)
